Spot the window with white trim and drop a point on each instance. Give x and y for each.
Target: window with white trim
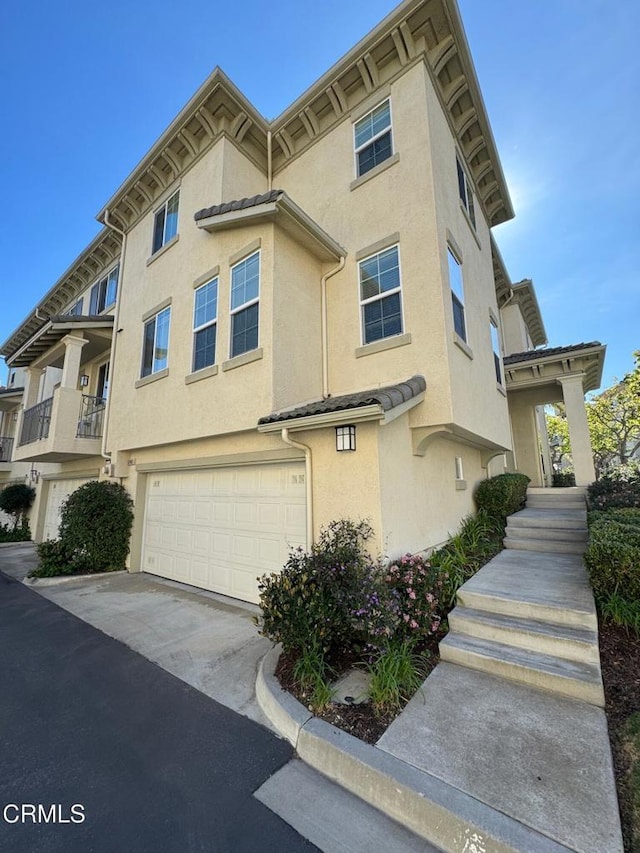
(245, 298)
(165, 222)
(380, 295)
(155, 347)
(495, 344)
(372, 138)
(457, 295)
(466, 192)
(205, 316)
(103, 293)
(76, 309)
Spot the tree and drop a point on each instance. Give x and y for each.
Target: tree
(16, 500)
(614, 421)
(558, 432)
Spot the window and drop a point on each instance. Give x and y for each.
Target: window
(457, 295)
(155, 348)
(380, 295)
(103, 293)
(245, 294)
(205, 314)
(76, 310)
(372, 135)
(165, 223)
(495, 343)
(102, 386)
(466, 193)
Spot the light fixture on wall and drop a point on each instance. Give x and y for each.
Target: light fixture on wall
(14, 417)
(34, 475)
(346, 437)
(84, 380)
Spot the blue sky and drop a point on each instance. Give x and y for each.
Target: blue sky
(90, 86)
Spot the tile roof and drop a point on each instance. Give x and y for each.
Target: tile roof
(239, 204)
(387, 398)
(533, 354)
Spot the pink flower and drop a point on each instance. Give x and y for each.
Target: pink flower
(412, 594)
(413, 624)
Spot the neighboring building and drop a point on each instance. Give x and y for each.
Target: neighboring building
(287, 322)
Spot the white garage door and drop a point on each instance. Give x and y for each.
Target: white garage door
(220, 528)
(59, 491)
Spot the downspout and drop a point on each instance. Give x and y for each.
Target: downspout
(114, 337)
(324, 326)
(269, 162)
(308, 482)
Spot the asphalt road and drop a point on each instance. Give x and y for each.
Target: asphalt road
(149, 763)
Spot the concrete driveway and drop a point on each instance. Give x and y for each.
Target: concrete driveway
(204, 639)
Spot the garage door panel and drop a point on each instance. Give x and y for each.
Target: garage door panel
(221, 528)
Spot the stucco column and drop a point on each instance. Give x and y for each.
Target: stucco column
(72, 358)
(31, 386)
(581, 452)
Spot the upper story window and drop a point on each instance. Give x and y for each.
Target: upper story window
(76, 310)
(245, 296)
(165, 222)
(372, 138)
(466, 192)
(495, 344)
(380, 296)
(205, 315)
(457, 295)
(103, 293)
(155, 348)
(12, 377)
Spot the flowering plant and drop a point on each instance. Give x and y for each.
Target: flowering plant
(416, 586)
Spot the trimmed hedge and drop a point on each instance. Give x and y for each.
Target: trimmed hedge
(614, 491)
(16, 499)
(503, 495)
(613, 554)
(563, 480)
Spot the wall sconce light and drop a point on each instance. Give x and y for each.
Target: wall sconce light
(34, 475)
(84, 380)
(345, 438)
(14, 417)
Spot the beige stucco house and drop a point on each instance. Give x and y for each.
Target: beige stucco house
(285, 322)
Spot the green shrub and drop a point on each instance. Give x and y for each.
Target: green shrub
(319, 597)
(563, 479)
(396, 673)
(503, 495)
(623, 515)
(416, 585)
(618, 488)
(17, 499)
(613, 558)
(95, 526)
(56, 558)
(22, 533)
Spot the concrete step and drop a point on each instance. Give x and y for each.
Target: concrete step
(563, 641)
(559, 503)
(547, 546)
(548, 587)
(562, 534)
(569, 491)
(577, 680)
(566, 519)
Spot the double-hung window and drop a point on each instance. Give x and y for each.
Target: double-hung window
(495, 344)
(466, 192)
(76, 309)
(380, 296)
(155, 348)
(165, 222)
(457, 295)
(103, 293)
(372, 138)
(205, 315)
(245, 296)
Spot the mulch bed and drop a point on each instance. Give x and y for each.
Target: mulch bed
(358, 720)
(620, 660)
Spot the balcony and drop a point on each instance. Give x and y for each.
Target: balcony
(67, 426)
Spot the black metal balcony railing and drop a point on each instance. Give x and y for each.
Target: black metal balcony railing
(6, 448)
(91, 419)
(35, 422)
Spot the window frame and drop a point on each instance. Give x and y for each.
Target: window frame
(457, 299)
(497, 353)
(380, 296)
(76, 308)
(207, 324)
(245, 306)
(465, 191)
(153, 369)
(98, 302)
(162, 211)
(358, 149)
